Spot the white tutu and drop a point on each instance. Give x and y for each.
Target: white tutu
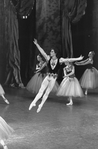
(5, 129)
(70, 87)
(35, 83)
(89, 79)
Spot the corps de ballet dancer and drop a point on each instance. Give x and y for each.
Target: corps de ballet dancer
(5, 132)
(70, 86)
(53, 65)
(89, 79)
(2, 92)
(35, 82)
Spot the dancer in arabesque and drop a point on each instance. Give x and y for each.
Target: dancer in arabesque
(53, 64)
(70, 86)
(89, 79)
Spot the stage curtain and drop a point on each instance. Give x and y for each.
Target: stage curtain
(13, 8)
(53, 20)
(11, 37)
(72, 11)
(25, 8)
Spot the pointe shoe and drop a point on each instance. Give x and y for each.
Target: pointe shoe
(32, 105)
(5, 147)
(85, 92)
(7, 101)
(39, 108)
(70, 103)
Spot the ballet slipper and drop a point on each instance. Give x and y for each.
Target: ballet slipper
(70, 103)
(39, 108)
(5, 147)
(7, 101)
(32, 105)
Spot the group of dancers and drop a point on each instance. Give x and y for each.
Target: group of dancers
(42, 83)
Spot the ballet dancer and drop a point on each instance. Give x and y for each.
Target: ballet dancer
(70, 86)
(35, 82)
(89, 79)
(53, 65)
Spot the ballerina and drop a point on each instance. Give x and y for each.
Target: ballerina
(35, 82)
(70, 85)
(5, 132)
(53, 64)
(89, 79)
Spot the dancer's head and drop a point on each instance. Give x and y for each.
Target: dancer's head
(68, 63)
(91, 54)
(52, 53)
(39, 58)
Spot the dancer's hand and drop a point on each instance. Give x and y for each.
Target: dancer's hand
(35, 41)
(81, 57)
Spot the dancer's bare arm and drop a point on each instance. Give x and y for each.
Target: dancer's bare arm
(47, 57)
(63, 60)
(85, 62)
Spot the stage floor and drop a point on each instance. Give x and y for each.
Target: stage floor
(57, 126)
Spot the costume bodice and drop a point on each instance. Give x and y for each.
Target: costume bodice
(53, 66)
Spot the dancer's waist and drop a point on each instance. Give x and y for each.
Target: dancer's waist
(54, 75)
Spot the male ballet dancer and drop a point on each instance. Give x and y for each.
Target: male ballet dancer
(53, 65)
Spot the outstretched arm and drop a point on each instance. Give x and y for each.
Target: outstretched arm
(47, 57)
(85, 62)
(63, 60)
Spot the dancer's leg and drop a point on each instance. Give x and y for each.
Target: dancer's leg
(4, 98)
(70, 102)
(3, 144)
(40, 93)
(47, 92)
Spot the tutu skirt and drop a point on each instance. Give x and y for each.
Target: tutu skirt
(35, 83)
(1, 90)
(89, 79)
(70, 87)
(5, 129)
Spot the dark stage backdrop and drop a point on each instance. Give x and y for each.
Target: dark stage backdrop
(50, 22)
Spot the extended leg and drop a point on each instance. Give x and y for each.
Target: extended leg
(40, 93)
(3, 144)
(48, 90)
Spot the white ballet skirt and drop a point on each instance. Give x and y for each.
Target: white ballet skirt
(89, 79)
(35, 83)
(1, 90)
(70, 87)
(5, 129)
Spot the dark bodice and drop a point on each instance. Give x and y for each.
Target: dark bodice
(69, 70)
(55, 69)
(39, 66)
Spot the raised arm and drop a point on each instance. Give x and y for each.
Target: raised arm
(47, 57)
(63, 60)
